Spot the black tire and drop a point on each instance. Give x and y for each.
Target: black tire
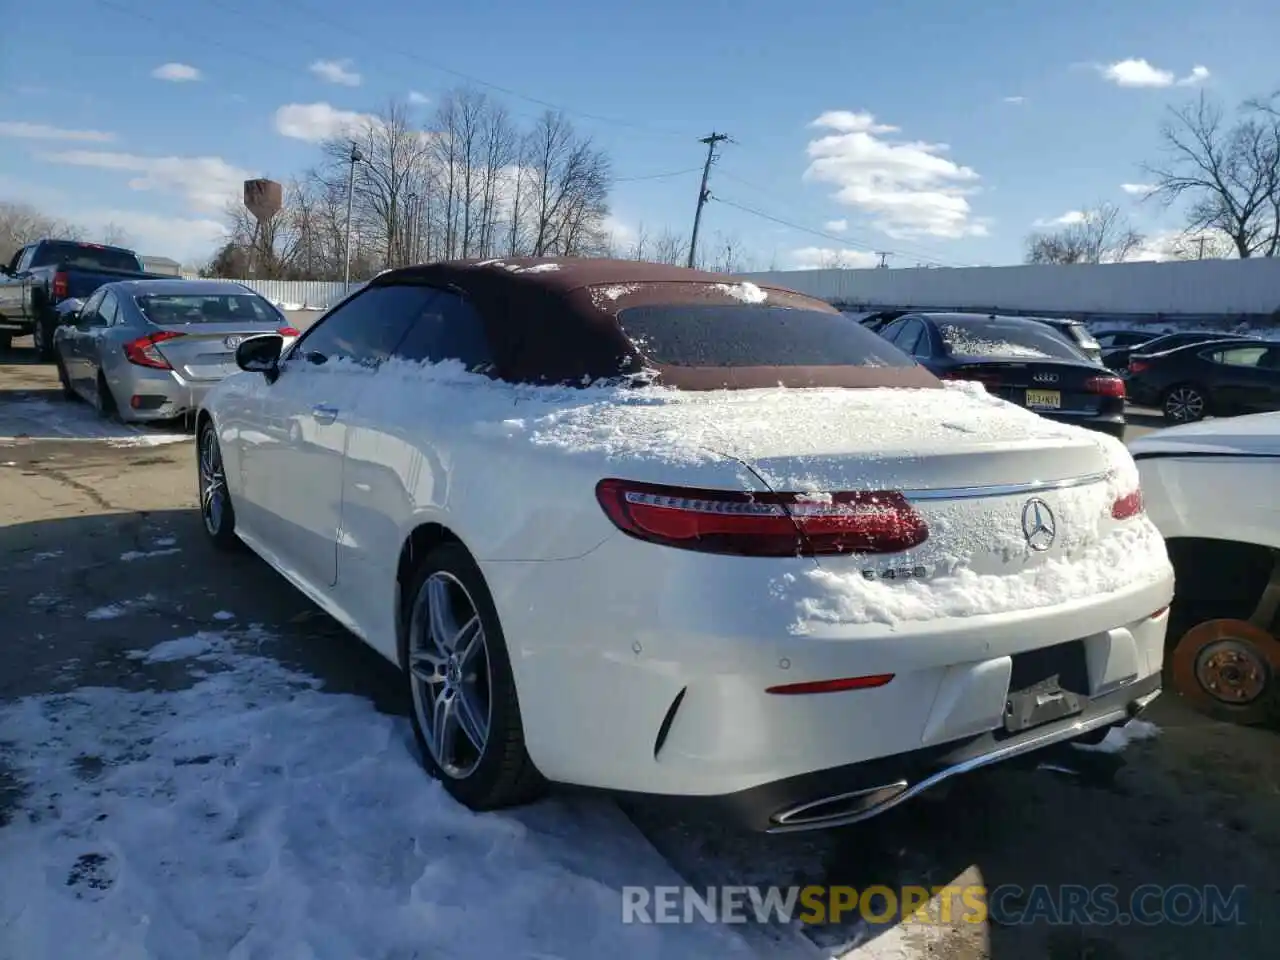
(219, 524)
(1184, 403)
(502, 774)
(68, 392)
(6, 342)
(104, 400)
(43, 337)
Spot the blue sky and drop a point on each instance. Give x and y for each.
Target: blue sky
(933, 129)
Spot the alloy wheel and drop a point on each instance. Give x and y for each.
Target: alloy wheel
(449, 675)
(1184, 405)
(213, 483)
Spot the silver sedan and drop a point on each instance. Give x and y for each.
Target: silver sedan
(150, 349)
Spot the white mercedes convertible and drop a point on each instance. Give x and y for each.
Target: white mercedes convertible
(663, 532)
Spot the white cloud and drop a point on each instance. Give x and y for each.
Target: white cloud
(1068, 219)
(907, 186)
(1015, 100)
(1137, 189)
(207, 184)
(1137, 72)
(619, 231)
(418, 99)
(336, 71)
(41, 131)
(186, 239)
(836, 226)
(828, 258)
(314, 122)
(176, 72)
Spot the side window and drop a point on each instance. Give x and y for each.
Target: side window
(367, 327)
(22, 259)
(1239, 356)
(449, 329)
(909, 339)
(891, 330)
(107, 311)
(91, 306)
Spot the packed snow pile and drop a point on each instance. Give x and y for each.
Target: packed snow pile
(252, 815)
(746, 292)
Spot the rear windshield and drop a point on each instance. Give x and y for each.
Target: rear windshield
(85, 257)
(163, 309)
(995, 339)
(1174, 340)
(742, 335)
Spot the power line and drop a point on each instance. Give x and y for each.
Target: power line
(657, 176)
(915, 253)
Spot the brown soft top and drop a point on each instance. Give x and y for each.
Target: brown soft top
(554, 320)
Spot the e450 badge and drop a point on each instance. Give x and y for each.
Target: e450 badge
(897, 573)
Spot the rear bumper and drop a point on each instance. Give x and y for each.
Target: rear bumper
(1109, 423)
(144, 395)
(859, 791)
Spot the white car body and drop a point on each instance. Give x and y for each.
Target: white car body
(1210, 487)
(1215, 479)
(645, 668)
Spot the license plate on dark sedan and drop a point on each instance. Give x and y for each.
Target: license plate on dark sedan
(1044, 399)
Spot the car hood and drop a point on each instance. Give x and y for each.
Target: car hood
(1256, 434)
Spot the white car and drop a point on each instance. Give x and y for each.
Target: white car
(1213, 489)
(661, 532)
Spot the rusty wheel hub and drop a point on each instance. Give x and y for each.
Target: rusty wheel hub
(1227, 668)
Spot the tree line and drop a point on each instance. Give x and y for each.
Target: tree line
(471, 182)
(1220, 168)
(22, 223)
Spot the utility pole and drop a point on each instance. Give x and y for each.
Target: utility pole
(355, 157)
(703, 193)
(884, 260)
(1200, 248)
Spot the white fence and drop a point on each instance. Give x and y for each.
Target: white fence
(301, 294)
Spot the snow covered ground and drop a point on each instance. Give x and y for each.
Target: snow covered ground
(25, 417)
(252, 815)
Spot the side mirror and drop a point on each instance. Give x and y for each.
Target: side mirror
(69, 311)
(261, 354)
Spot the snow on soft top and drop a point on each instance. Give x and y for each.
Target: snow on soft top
(746, 292)
(253, 815)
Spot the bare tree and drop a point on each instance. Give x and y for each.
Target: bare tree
(1226, 173)
(670, 248)
(114, 235)
(21, 223)
(1101, 234)
(570, 180)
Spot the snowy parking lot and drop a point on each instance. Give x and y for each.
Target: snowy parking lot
(196, 762)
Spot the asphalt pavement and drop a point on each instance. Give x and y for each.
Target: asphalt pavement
(103, 556)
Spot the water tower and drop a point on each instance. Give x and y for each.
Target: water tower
(263, 199)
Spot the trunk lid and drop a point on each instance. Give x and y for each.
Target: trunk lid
(970, 464)
(207, 351)
(1044, 386)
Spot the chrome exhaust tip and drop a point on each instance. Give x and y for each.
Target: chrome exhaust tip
(841, 807)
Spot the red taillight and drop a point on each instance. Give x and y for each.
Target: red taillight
(1128, 506)
(143, 351)
(288, 332)
(762, 524)
(1137, 366)
(1105, 386)
(833, 686)
(60, 285)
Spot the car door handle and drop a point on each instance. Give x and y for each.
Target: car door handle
(324, 413)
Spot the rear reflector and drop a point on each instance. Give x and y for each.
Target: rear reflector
(143, 352)
(762, 524)
(1128, 506)
(1105, 386)
(833, 686)
(288, 332)
(1137, 366)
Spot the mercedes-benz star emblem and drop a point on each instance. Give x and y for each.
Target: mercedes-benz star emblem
(233, 341)
(1038, 524)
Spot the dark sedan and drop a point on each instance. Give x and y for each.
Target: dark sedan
(1118, 344)
(1220, 378)
(1018, 360)
(1175, 341)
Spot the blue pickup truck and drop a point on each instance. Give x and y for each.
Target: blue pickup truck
(43, 274)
